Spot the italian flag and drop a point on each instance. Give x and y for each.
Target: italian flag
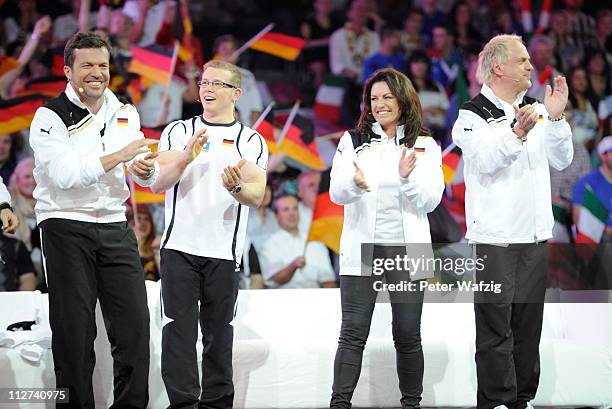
(592, 219)
(329, 98)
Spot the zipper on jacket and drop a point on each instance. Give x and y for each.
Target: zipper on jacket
(102, 137)
(535, 231)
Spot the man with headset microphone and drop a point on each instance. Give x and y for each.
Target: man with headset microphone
(81, 141)
(508, 142)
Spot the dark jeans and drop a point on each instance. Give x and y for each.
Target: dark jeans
(358, 298)
(509, 324)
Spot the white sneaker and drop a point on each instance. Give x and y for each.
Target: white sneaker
(501, 407)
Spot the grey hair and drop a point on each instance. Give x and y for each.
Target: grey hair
(495, 51)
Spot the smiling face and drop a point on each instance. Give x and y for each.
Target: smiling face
(90, 72)
(287, 212)
(384, 105)
(219, 100)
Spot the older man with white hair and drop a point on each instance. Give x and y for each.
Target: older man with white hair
(508, 142)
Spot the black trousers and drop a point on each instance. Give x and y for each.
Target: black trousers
(358, 298)
(85, 262)
(187, 279)
(509, 324)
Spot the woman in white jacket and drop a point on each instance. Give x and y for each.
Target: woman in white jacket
(388, 178)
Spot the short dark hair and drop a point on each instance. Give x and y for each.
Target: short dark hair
(282, 195)
(83, 40)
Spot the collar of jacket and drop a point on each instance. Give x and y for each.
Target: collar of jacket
(399, 133)
(111, 100)
(488, 93)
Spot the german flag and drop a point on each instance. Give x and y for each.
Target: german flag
(50, 86)
(144, 195)
(451, 158)
(154, 62)
(269, 133)
(186, 47)
(300, 145)
(7, 64)
(280, 45)
(57, 61)
(327, 217)
(17, 113)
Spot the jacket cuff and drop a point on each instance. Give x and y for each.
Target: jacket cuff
(409, 186)
(560, 126)
(150, 180)
(96, 167)
(512, 142)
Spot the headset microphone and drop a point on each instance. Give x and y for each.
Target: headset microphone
(78, 87)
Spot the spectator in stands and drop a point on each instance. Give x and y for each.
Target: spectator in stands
(316, 30)
(287, 259)
(446, 60)
(562, 183)
(66, 25)
(250, 104)
(22, 22)
(603, 28)
(412, 37)
(461, 21)
(349, 46)
(432, 17)
(8, 159)
(481, 13)
(503, 22)
(582, 98)
(145, 234)
(565, 49)
(307, 192)
(386, 193)
(8, 79)
(599, 182)
(388, 54)
(431, 93)
(21, 187)
(599, 73)
(16, 270)
(260, 227)
(543, 72)
(580, 27)
(147, 18)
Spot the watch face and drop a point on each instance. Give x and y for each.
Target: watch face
(237, 189)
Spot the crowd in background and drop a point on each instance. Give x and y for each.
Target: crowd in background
(436, 43)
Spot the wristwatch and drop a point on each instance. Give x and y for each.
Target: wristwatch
(235, 190)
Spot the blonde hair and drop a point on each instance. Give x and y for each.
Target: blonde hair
(236, 78)
(497, 50)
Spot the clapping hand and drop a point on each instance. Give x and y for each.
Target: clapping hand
(359, 178)
(407, 163)
(555, 99)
